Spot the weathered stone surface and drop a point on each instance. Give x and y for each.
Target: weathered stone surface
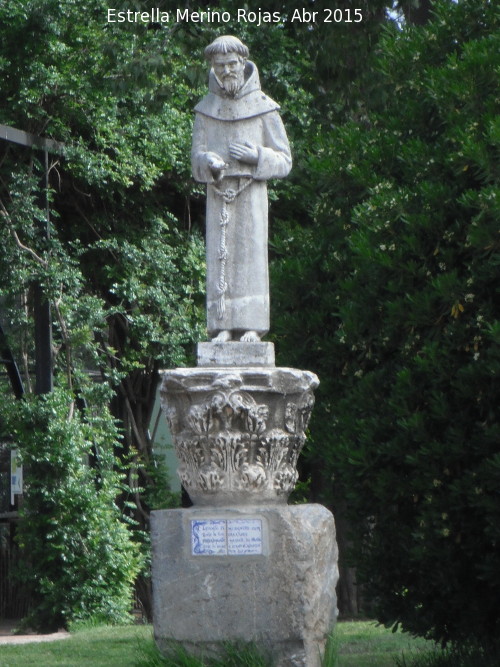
(238, 432)
(282, 597)
(241, 565)
(235, 353)
(239, 143)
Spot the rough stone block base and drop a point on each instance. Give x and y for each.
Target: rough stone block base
(262, 574)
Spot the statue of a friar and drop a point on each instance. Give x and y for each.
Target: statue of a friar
(239, 142)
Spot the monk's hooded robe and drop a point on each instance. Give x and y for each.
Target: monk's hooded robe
(237, 264)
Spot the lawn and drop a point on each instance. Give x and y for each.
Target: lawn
(364, 644)
(358, 644)
(96, 647)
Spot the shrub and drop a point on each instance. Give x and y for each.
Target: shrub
(77, 556)
(397, 293)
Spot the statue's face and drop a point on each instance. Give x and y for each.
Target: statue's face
(229, 69)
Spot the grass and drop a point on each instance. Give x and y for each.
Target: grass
(354, 644)
(234, 656)
(100, 647)
(365, 644)
(454, 656)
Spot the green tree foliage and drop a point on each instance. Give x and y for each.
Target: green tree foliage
(396, 287)
(122, 269)
(121, 261)
(385, 245)
(79, 561)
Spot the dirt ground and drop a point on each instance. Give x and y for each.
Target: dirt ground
(8, 627)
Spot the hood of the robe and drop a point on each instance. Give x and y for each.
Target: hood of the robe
(249, 101)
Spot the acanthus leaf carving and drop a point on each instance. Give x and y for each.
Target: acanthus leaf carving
(228, 451)
(252, 477)
(172, 418)
(297, 416)
(305, 410)
(198, 418)
(285, 479)
(237, 444)
(273, 451)
(211, 478)
(256, 419)
(291, 417)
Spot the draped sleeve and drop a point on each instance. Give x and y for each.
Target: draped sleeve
(199, 152)
(275, 160)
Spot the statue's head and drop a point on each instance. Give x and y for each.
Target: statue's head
(228, 55)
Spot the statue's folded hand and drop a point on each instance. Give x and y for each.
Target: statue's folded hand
(216, 165)
(244, 152)
(215, 161)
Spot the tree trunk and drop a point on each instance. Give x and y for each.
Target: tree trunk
(417, 12)
(348, 593)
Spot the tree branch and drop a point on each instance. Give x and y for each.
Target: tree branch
(20, 245)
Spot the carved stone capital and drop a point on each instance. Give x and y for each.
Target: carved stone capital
(238, 432)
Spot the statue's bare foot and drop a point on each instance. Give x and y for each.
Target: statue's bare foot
(222, 337)
(250, 337)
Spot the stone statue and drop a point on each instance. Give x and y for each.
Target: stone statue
(239, 142)
(242, 564)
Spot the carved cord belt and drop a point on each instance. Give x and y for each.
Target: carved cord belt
(227, 196)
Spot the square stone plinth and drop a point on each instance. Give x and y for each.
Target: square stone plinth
(235, 353)
(262, 574)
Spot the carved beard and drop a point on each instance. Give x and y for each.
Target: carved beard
(232, 83)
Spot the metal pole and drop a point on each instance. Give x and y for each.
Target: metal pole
(43, 320)
(11, 366)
